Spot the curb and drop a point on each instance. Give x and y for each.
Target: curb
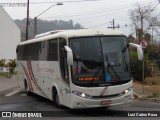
(142, 98)
(152, 100)
(6, 77)
(137, 96)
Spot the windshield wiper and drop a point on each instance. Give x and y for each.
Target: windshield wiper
(114, 71)
(112, 68)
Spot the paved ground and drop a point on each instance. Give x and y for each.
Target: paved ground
(8, 83)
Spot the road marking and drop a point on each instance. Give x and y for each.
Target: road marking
(24, 94)
(12, 93)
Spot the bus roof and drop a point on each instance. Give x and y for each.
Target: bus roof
(71, 33)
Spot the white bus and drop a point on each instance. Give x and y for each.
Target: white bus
(45, 66)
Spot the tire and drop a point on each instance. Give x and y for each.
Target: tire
(27, 88)
(56, 99)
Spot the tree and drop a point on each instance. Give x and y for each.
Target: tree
(144, 22)
(144, 19)
(131, 38)
(139, 34)
(12, 65)
(45, 26)
(147, 37)
(78, 26)
(2, 64)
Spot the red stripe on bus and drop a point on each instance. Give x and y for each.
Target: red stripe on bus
(28, 78)
(33, 78)
(29, 73)
(104, 90)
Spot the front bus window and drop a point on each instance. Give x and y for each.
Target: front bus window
(107, 59)
(116, 59)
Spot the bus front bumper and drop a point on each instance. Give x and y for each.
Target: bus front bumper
(79, 102)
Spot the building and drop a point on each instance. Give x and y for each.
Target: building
(10, 36)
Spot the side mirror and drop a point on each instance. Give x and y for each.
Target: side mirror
(139, 50)
(69, 55)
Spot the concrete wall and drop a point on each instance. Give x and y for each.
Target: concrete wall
(10, 36)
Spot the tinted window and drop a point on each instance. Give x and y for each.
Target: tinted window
(52, 50)
(107, 58)
(20, 52)
(42, 51)
(31, 51)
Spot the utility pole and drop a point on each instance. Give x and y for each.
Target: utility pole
(27, 21)
(35, 26)
(113, 25)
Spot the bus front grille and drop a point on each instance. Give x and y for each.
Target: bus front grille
(107, 96)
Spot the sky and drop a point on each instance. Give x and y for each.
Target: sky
(89, 13)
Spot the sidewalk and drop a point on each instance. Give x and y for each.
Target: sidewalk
(8, 83)
(143, 97)
(141, 93)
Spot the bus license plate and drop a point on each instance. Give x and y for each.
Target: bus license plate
(106, 102)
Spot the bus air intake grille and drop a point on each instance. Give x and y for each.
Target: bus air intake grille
(107, 96)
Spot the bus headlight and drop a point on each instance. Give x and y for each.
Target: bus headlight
(80, 94)
(126, 91)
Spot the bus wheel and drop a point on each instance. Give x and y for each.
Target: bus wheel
(56, 99)
(26, 88)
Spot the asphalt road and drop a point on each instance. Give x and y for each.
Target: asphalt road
(16, 100)
(8, 83)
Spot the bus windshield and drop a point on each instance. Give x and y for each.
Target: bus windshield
(102, 61)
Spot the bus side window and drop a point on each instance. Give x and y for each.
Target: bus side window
(63, 60)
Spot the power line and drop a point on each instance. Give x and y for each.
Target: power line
(118, 26)
(98, 12)
(70, 1)
(101, 15)
(155, 2)
(155, 6)
(11, 4)
(98, 25)
(97, 16)
(91, 12)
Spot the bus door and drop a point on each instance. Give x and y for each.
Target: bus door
(65, 86)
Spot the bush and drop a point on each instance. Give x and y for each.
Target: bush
(137, 70)
(136, 67)
(156, 95)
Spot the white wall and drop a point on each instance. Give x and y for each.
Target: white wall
(10, 36)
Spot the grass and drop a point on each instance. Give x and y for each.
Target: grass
(5, 74)
(155, 80)
(150, 88)
(154, 95)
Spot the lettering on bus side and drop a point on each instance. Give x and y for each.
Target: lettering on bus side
(67, 91)
(44, 69)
